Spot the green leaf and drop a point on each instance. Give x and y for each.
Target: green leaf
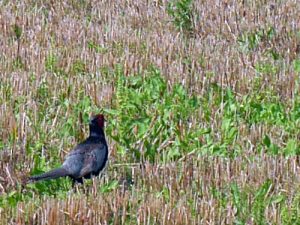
(267, 141)
(291, 147)
(110, 186)
(18, 31)
(296, 64)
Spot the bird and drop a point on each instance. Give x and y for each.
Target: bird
(86, 160)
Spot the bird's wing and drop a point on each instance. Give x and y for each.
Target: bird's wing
(94, 160)
(75, 160)
(88, 165)
(80, 150)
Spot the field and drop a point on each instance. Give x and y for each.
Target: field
(202, 102)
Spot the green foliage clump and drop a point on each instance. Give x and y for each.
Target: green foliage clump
(52, 65)
(290, 214)
(296, 64)
(250, 41)
(149, 118)
(181, 14)
(249, 203)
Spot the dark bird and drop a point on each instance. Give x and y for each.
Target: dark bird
(87, 159)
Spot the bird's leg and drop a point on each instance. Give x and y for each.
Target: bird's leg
(76, 183)
(79, 180)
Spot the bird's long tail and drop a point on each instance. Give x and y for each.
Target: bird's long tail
(53, 174)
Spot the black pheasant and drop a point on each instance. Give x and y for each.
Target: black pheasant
(87, 159)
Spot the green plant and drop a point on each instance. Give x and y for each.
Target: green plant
(296, 64)
(52, 64)
(78, 67)
(250, 41)
(239, 199)
(97, 48)
(266, 68)
(110, 186)
(290, 214)
(181, 14)
(150, 119)
(262, 199)
(17, 63)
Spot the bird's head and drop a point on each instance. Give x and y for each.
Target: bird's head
(98, 120)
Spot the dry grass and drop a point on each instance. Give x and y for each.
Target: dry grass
(169, 194)
(54, 59)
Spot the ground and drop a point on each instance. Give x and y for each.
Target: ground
(201, 99)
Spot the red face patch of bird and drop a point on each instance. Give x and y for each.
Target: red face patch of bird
(100, 120)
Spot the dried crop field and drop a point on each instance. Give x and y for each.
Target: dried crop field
(202, 102)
